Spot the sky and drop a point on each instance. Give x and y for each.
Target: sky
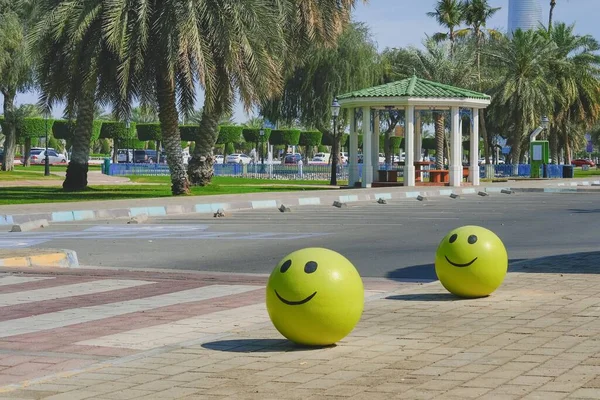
(401, 23)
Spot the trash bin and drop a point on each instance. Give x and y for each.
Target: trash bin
(106, 166)
(568, 171)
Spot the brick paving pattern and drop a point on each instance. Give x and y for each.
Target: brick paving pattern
(537, 337)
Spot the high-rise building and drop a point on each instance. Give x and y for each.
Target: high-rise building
(523, 14)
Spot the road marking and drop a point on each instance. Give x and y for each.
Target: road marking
(19, 243)
(14, 280)
(59, 319)
(59, 292)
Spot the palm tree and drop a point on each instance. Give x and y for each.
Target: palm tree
(15, 69)
(300, 24)
(523, 94)
(551, 14)
(477, 13)
(75, 65)
(448, 14)
(440, 64)
(575, 70)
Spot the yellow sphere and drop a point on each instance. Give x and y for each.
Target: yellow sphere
(315, 297)
(471, 261)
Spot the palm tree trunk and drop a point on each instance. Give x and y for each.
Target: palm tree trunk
(9, 131)
(551, 14)
(200, 168)
(439, 140)
(168, 116)
(27, 152)
(567, 146)
(484, 133)
(553, 145)
(76, 178)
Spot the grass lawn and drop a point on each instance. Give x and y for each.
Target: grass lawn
(578, 173)
(28, 195)
(232, 181)
(20, 175)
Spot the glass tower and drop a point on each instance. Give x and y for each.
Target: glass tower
(523, 14)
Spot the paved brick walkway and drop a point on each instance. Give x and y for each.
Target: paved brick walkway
(537, 337)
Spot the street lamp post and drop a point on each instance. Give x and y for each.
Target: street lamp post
(46, 158)
(128, 141)
(262, 145)
(335, 111)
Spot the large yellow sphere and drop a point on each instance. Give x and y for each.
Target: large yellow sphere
(471, 261)
(315, 297)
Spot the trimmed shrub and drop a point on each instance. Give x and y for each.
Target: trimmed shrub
(104, 146)
(327, 139)
(146, 132)
(189, 133)
(34, 127)
(396, 142)
(230, 134)
(63, 129)
(117, 130)
(310, 138)
(252, 135)
(289, 137)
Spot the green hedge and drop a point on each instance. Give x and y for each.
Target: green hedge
(63, 129)
(117, 130)
(397, 142)
(34, 127)
(310, 138)
(189, 133)
(252, 135)
(230, 134)
(327, 139)
(289, 137)
(146, 132)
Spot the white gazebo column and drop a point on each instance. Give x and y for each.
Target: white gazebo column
(474, 151)
(418, 136)
(353, 161)
(375, 147)
(367, 168)
(455, 148)
(409, 161)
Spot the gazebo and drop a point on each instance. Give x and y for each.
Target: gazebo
(413, 95)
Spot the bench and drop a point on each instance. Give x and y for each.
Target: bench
(443, 175)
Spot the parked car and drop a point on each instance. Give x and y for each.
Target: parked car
(38, 156)
(122, 156)
(218, 159)
(238, 158)
(292, 158)
(321, 157)
(580, 162)
(144, 156)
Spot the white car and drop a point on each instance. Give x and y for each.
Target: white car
(238, 159)
(122, 155)
(37, 156)
(218, 159)
(321, 157)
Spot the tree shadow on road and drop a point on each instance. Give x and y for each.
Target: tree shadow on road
(574, 263)
(584, 211)
(426, 297)
(258, 346)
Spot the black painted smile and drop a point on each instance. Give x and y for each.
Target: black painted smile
(461, 265)
(295, 303)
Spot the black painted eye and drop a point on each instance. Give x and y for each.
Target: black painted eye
(310, 267)
(285, 266)
(453, 238)
(472, 239)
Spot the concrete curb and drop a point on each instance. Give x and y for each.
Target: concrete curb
(275, 201)
(39, 258)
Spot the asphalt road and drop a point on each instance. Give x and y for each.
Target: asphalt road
(397, 240)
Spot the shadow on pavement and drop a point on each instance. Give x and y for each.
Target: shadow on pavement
(426, 297)
(422, 273)
(584, 211)
(574, 263)
(258, 346)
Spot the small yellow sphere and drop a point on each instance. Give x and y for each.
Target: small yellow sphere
(315, 297)
(471, 262)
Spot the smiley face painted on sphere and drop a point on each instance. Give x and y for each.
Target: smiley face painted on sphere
(471, 261)
(315, 296)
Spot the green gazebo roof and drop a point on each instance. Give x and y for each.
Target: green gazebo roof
(415, 87)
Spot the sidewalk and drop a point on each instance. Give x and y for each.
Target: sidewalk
(536, 337)
(78, 211)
